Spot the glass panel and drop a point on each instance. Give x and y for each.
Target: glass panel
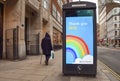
(79, 37)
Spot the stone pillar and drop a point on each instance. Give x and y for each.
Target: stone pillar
(14, 18)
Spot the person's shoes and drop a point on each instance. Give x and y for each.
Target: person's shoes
(46, 63)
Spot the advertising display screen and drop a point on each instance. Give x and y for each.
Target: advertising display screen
(79, 37)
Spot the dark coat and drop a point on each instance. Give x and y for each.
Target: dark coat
(46, 45)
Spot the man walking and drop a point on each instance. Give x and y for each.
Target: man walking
(46, 47)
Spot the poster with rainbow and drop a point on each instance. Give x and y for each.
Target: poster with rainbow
(79, 40)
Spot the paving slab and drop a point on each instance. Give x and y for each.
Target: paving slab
(30, 69)
(33, 78)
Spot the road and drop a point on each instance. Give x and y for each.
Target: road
(110, 57)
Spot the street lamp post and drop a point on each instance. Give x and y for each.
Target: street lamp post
(119, 37)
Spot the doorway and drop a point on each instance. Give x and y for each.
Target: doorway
(27, 35)
(1, 30)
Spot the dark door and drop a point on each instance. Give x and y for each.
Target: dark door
(15, 43)
(27, 35)
(1, 30)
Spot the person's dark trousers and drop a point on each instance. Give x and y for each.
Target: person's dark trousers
(47, 59)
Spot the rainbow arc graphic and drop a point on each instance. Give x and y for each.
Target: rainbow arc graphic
(76, 46)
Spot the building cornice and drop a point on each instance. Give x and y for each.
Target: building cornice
(112, 17)
(109, 6)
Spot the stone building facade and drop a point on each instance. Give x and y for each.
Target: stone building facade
(23, 24)
(102, 23)
(105, 6)
(52, 20)
(21, 27)
(113, 27)
(98, 34)
(56, 20)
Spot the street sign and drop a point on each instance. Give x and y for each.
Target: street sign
(79, 38)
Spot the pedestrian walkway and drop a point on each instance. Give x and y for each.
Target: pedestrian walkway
(30, 69)
(111, 48)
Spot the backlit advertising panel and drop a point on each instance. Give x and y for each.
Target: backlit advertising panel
(79, 37)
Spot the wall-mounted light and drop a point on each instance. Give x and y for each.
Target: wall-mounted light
(32, 14)
(4, 0)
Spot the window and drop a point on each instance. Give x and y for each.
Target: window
(115, 32)
(61, 20)
(59, 2)
(115, 25)
(58, 16)
(45, 4)
(54, 11)
(115, 18)
(115, 11)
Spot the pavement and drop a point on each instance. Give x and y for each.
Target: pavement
(113, 48)
(30, 69)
